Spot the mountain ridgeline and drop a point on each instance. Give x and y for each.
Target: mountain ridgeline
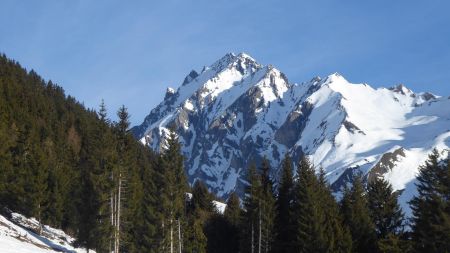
(237, 111)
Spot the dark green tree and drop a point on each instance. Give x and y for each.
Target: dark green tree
(284, 222)
(356, 216)
(250, 218)
(385, 211)
(267, 208)
(173, 192)
(431, 207)
(318, 225)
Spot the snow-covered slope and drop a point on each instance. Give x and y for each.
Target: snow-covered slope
(17, 236)
(237, 111)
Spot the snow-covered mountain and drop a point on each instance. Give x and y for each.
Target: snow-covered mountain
(237, 111)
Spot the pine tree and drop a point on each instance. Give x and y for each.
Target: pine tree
(431, 208)
(103, 157)
(149, 233)
(232, 217)
(336, 237)
(173, 195)
(119, 175)
(201, 208)
(317, 224)
(267, 208)
(306, 214)
(284, 222)
(356, 216)
(250, 224)
(38, 187)
(201, 198)
(385, 212)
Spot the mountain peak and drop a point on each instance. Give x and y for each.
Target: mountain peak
(402, 89)
(241, 61)
(237, 110)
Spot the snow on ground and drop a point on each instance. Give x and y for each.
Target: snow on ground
(17, 235)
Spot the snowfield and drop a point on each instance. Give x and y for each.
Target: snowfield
(237, 111)
(17, 236)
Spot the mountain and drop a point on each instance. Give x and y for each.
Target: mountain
(237, 111)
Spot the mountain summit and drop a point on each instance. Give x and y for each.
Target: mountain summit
(237, 111)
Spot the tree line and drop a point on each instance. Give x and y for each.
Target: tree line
(74, 169)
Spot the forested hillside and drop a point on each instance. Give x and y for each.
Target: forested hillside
(63, 164)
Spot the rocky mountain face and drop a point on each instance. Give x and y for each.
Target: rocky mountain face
(237, 111)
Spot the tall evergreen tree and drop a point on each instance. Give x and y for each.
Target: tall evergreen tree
(250, 224)
(385, 211)
(318, 225)
(431, 208)
(173, 194)
(267, 208)
(200, 210)
(336, 236)
(233, 210)
(307, 215)
(232, 217)
(284, 222)
(356, 216)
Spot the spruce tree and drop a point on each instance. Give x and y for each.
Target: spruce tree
(149, 224)
(284, 222)
(119, 176)
(356, 216)
(200, 210)
(431, 207)
(173, 193)
(232, 216)
(385, 211)
(267, 208)
(233, 210)
(336, 237)
(318, 226)
(307, 215)
(250, 224)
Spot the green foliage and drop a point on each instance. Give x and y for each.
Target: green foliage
(318, 225)
(386, 215)
(284, 221)
(431, 208)
(355, 212)
(57, 159)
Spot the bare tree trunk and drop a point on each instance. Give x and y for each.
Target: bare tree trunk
(111, 247)
(39, 219)
(179, 235)
(253, 239)
(164, 237)
(115, 221)
(259, 233)
(171, 236)
(118, 212)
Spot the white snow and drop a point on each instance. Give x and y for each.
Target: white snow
(16, 236)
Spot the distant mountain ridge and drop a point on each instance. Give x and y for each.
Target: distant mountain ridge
(237, 111)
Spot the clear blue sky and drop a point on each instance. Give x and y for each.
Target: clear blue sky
(128, 52)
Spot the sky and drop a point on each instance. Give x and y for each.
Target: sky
(129, 52)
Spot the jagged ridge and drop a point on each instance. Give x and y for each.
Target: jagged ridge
(237, 111)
